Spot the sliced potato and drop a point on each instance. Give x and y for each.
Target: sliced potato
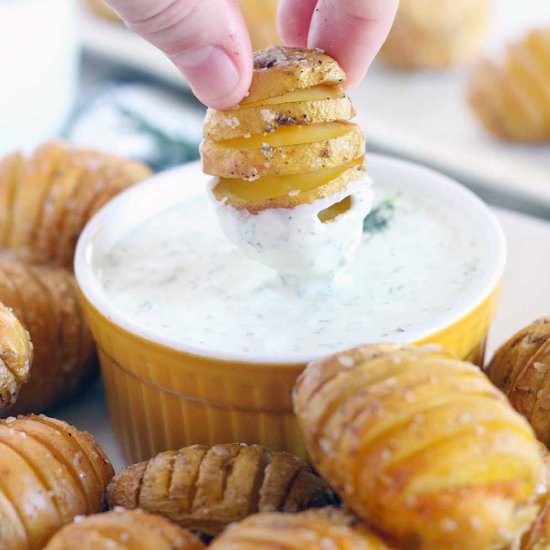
(288, 191)
(11, 168)
(32, 195)
(326, 104)
(289, 150)
(280, 70)
(15, 357)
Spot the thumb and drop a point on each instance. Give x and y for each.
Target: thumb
(206, 39)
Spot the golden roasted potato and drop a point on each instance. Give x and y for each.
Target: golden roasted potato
(311, 106)
(51, 473)
(205, 489)
(280, 70)
(288, 191)
(287, 151)
(519, 368)
(290, 145)
(47, 303)
(436, 34)
(326, 529)
(15, 357)
(512, 100)
(124, 530)
(45, 202)
(421, 445)
(57, 191)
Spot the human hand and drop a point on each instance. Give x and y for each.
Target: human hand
(208, 41)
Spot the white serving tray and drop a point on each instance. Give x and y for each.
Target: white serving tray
(424, 116)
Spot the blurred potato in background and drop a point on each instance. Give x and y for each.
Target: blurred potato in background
(260, 16)
(437, 34)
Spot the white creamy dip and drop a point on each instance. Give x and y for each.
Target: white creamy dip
(179, 276)
(294, 241)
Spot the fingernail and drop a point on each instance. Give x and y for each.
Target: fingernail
(210, 71)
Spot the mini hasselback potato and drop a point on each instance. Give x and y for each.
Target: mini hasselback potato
(512, 98)
(45, 202)
(47, 304)
(290, 141)
(325, 529)
(205, 489)
(452, 34)
(50, 473)
(56, 192)
(421, 445)
(124, 530)
(15, 357)
(520, 369)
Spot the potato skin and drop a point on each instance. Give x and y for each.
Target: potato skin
(51, 472)
(251, 164)
(220, 125)
(205, 489)
(223, 193)
(519, 368)
(324, 529)
(15, 357)
(124, 529)
(279, 70)
(421, 445)
(511, 98)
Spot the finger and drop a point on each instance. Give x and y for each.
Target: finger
(206, 39)
(294, 20)
(352, 31)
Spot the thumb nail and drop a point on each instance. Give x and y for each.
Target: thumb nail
(211, 74)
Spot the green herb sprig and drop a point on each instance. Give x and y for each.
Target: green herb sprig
(169, 150)
(379, 218)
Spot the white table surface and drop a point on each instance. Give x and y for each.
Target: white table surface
(525, 296)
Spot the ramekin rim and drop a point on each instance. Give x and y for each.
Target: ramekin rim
(89, 284)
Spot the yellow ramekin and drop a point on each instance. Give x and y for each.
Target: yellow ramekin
(162, 395)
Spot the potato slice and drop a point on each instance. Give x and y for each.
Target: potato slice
(280, 70)
(11, 168)
(315, 105)
(289, 150)
(288, 191)
(32, 195)
(15, 357)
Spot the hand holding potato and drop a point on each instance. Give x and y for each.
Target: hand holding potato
(208, 41)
